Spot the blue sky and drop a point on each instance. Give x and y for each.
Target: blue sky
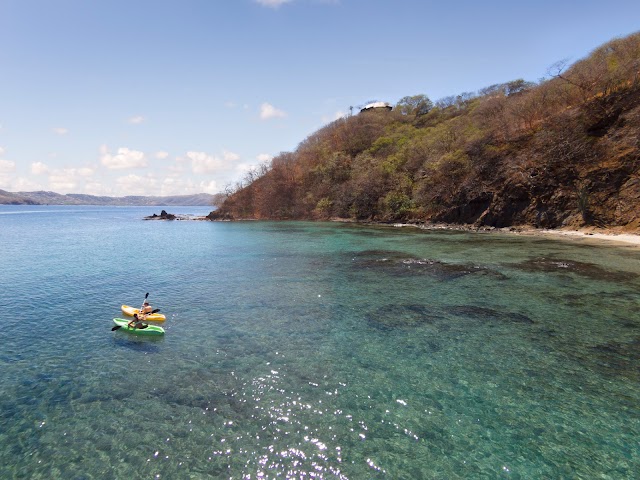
(169, 97)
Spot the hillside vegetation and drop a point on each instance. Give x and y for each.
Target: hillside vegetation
(562, 152)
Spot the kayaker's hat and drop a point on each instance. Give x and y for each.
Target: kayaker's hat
(146, 303)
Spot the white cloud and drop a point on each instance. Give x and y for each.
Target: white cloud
(167, 186)
(39, 168)
(161, 155)
(7, 166)
(178, 167)
(5, 182)
(136, 185)
(268, 111)
(230, 156)
(335, 116)
(19, 184)
(339, 114)
(62, 182)
(264, 157)
(65, 180)
(180, 186)
(60, 130)
(2, 150)
(202, 162)
(208, 187)
(136, 120)
(125, 158)
(98, 188)
(83, 171)
(243, 168)
(272, 3)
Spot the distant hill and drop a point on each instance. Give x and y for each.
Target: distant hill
(52, 198)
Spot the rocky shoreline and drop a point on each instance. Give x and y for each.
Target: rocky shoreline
(605, 234)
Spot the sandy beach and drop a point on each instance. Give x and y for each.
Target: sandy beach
(588, 235)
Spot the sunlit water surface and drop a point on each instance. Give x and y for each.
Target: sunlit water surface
(313, 350)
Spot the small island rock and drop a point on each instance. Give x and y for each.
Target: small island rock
(163, 216)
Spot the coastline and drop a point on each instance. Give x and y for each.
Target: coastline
(612, 235)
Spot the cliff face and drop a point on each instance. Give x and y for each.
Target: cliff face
(565, 152)
(577, 169)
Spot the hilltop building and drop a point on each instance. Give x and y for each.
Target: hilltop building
(376, 106)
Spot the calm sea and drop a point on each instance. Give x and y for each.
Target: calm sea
(313, 350)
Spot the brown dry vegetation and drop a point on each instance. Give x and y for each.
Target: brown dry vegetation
(565, 152)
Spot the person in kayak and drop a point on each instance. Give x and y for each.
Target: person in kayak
(138, 321)
(140, 317)
(146, 309)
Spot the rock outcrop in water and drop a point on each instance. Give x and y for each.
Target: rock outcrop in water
(583, 269)
(170, 216)
(163, 216)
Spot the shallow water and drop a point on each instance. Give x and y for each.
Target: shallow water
(313, 350)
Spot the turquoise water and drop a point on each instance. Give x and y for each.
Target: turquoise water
(313, 350)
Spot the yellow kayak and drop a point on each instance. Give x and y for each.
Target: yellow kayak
(153, 317)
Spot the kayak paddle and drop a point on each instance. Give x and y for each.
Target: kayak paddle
(145, 299)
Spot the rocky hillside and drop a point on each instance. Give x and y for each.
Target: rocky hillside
(562, 152)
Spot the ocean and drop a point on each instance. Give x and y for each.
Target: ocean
(313, 350)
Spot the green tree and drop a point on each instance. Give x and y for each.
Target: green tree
(414, 105)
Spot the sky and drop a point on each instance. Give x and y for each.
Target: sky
(176, 97)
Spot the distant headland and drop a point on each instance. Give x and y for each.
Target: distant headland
(52, 198)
